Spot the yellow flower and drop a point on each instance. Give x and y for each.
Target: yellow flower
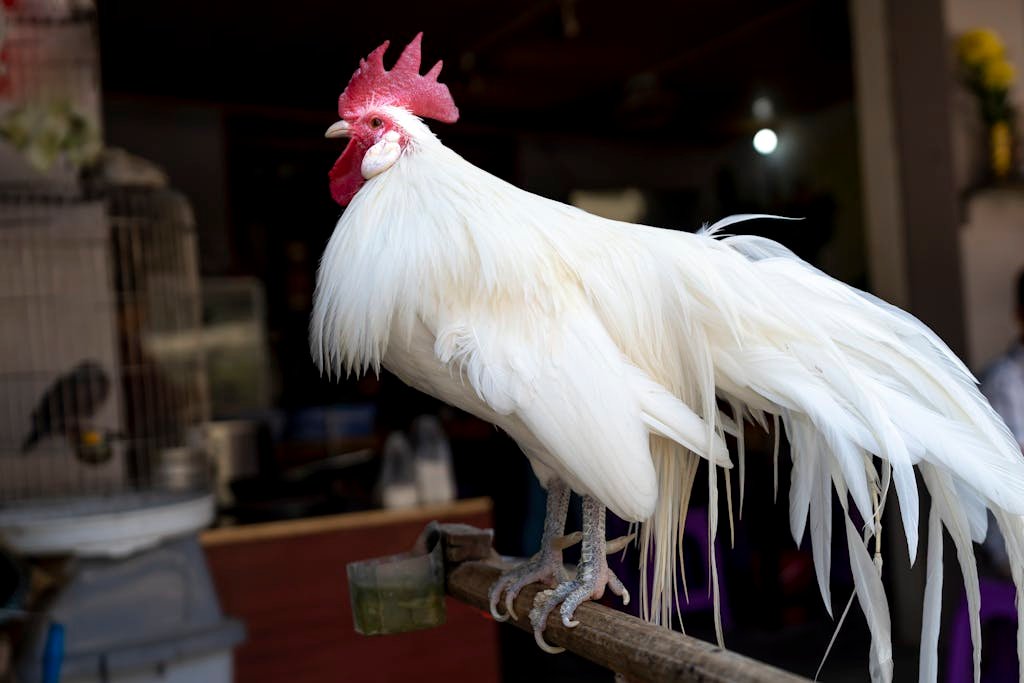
(998, 74)
(978, 46)
(1001, 149)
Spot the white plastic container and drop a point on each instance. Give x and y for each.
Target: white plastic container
(96, 526)
(397, 483)
(435, 481)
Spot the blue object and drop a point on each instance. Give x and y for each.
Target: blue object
(340, 421)
(53, 653)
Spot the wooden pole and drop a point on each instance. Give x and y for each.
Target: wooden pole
(640, 651)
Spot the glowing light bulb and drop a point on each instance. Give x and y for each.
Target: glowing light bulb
(765, 141)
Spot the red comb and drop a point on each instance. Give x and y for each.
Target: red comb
(402, 85)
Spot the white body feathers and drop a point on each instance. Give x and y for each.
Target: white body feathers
(603, 348)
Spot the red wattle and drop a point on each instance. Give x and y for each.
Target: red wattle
(346, 176)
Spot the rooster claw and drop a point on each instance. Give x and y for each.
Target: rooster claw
(617, 544)
(590, 584)
(567, 541)
(545, 566)
(538, 636)
(493, 597)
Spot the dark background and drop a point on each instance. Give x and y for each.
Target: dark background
(232, 98)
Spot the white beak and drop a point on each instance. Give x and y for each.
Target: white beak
(338, 130)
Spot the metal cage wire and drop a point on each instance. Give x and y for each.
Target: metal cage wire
(101, 368)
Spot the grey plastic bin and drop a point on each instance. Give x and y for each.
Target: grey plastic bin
(149, 617)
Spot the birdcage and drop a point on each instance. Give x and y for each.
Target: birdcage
(101, 373)
(101, 370)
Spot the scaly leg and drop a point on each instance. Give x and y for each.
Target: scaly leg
(546, 565)
(592, 577)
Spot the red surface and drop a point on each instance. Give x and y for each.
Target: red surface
(292, 594)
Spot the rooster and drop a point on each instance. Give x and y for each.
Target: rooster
(619, 356)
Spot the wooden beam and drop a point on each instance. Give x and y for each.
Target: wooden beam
(249, 533)
(640, 651)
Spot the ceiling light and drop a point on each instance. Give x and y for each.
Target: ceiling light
(765, 141)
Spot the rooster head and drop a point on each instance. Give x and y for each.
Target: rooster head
(376, 140)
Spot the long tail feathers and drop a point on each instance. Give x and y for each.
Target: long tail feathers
(851, 378)
(930, 619)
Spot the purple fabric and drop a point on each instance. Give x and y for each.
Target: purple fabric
(999, 662)
(626, 567)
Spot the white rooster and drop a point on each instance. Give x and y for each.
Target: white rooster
(604, 348)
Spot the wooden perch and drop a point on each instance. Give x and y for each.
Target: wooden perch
(640, 651)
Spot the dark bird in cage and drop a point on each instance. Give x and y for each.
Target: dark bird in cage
(71, 400)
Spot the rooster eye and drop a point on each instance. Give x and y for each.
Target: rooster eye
(376, 123)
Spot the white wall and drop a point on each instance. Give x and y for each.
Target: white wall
(992, 237)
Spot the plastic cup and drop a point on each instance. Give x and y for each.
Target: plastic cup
(397, 593)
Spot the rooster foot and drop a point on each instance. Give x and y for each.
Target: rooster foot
(545, 566)
(592, 577)
(590, 583)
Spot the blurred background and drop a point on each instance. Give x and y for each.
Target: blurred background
(180, 490)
